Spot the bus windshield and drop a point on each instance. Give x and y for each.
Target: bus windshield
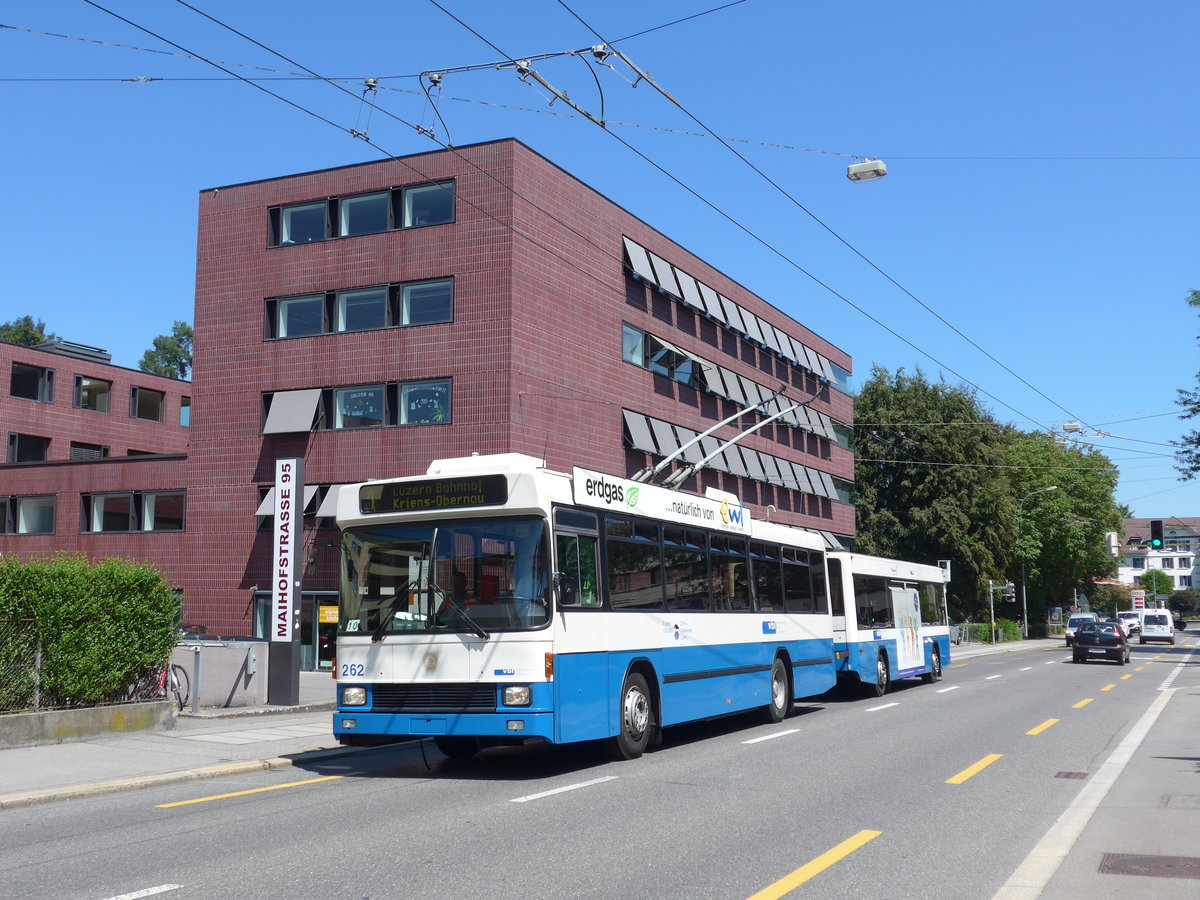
(474, 576)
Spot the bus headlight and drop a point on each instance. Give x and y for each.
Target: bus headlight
(354, 696)
(518, 695)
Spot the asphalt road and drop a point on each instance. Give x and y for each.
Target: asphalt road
(934, 791)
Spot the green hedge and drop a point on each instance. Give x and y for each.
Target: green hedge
(102, 625)
(981, 633)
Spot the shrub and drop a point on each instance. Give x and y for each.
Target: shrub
(102, 625)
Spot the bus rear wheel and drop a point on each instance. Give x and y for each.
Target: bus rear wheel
(636, 719)
(935, 667)
(780, 704)
(882, 676)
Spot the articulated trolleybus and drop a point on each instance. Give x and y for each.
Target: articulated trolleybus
(493, 600)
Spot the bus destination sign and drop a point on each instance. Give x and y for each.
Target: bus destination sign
(433, 493)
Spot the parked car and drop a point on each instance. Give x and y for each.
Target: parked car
(1074, 622)
(1132, 620)
(1100, 640)
(1157, 625)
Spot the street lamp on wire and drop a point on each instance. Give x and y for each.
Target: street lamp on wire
(1020, 532)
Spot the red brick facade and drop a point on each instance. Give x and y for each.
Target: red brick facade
(533, 355)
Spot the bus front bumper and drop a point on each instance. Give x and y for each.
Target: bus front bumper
(509, 724)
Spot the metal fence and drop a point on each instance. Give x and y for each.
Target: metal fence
(20, 666)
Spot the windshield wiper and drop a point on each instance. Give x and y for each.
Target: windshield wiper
(472, 625)
(385, 620)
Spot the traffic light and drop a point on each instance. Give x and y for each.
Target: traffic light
(1010, 591)
(1156, 534)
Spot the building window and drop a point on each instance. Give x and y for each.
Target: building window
(129, 512)
(427, 302)
(318, 220)
(362, 310)
(147, 404)
(107, 513)
(633, 345)
(163, 511)
(32, 383)
(27, 515)
(185, 412)
(429, 204)
(1167, 562)
(425, 402)
(92, 393)
(1184, 562)
(80, 450)
(1185, 581)
(359, 407)
(28, 448)
(1137, 562)
(301, 316)
(365, 214)
(303, 223)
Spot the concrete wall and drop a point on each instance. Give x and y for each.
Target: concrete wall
(66, 725)
(231, 673)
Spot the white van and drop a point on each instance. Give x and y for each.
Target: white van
(1157, 625)
(1075, 621)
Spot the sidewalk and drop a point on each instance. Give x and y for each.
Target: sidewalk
(210, 744)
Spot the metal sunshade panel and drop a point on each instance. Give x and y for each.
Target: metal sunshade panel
(714, 380)
(803, 482)
(328, 505)
(709, 445)
(712, 303)
(733, 382)
(733, 458)
(292, 411)
(639, 261)
(733, 313)
(771, 469)
(692, 454)
(691, 290)
(638, 430)
(665, 273)
(664, 436)
(753, 326)
(754, 462)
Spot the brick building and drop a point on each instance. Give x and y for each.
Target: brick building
(374, 317)
(96, 457)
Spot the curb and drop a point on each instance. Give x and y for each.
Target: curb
(235, 712)
(244, 767)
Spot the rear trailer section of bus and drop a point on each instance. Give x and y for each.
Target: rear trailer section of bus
(889, 620)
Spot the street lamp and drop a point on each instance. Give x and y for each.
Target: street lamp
(1020, 532)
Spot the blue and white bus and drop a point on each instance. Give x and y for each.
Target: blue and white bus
(493, 599)
(889, 619)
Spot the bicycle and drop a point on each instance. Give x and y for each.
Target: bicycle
(170, 680)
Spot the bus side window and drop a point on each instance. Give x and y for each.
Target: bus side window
(577, 570)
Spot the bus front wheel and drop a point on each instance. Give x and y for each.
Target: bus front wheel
(636, 719)
(778, 708)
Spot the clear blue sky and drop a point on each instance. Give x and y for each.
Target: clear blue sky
(1041, 194)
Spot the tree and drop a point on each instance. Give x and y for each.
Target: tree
(171, 355)
(928, 483)
(26, 332)
(1187, 458)
(1153, 581)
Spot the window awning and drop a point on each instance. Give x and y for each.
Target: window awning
(267, 507)
(665, 275)
(639, 261)
(638, 429)
(328, 505)
(292, 411)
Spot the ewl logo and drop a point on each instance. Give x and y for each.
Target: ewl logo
(770, 628)
(730, 514)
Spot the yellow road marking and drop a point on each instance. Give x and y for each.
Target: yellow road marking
(974, 770)
(1108, 687)
(1126, 677)
(1040, 728)
(958, 665)
(1082, 703)
(275, 787)
(1139, 668)
(790, 882)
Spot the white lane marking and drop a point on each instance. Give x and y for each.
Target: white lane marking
(563, 790)
(1166, 685)
(147, 892)
(993, 677)
(885, 706)
(1026, 669)
(771, 737)
(1032, 876)
(954, 688)
(1053, 662)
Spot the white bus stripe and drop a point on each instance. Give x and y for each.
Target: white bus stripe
(561, 790)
